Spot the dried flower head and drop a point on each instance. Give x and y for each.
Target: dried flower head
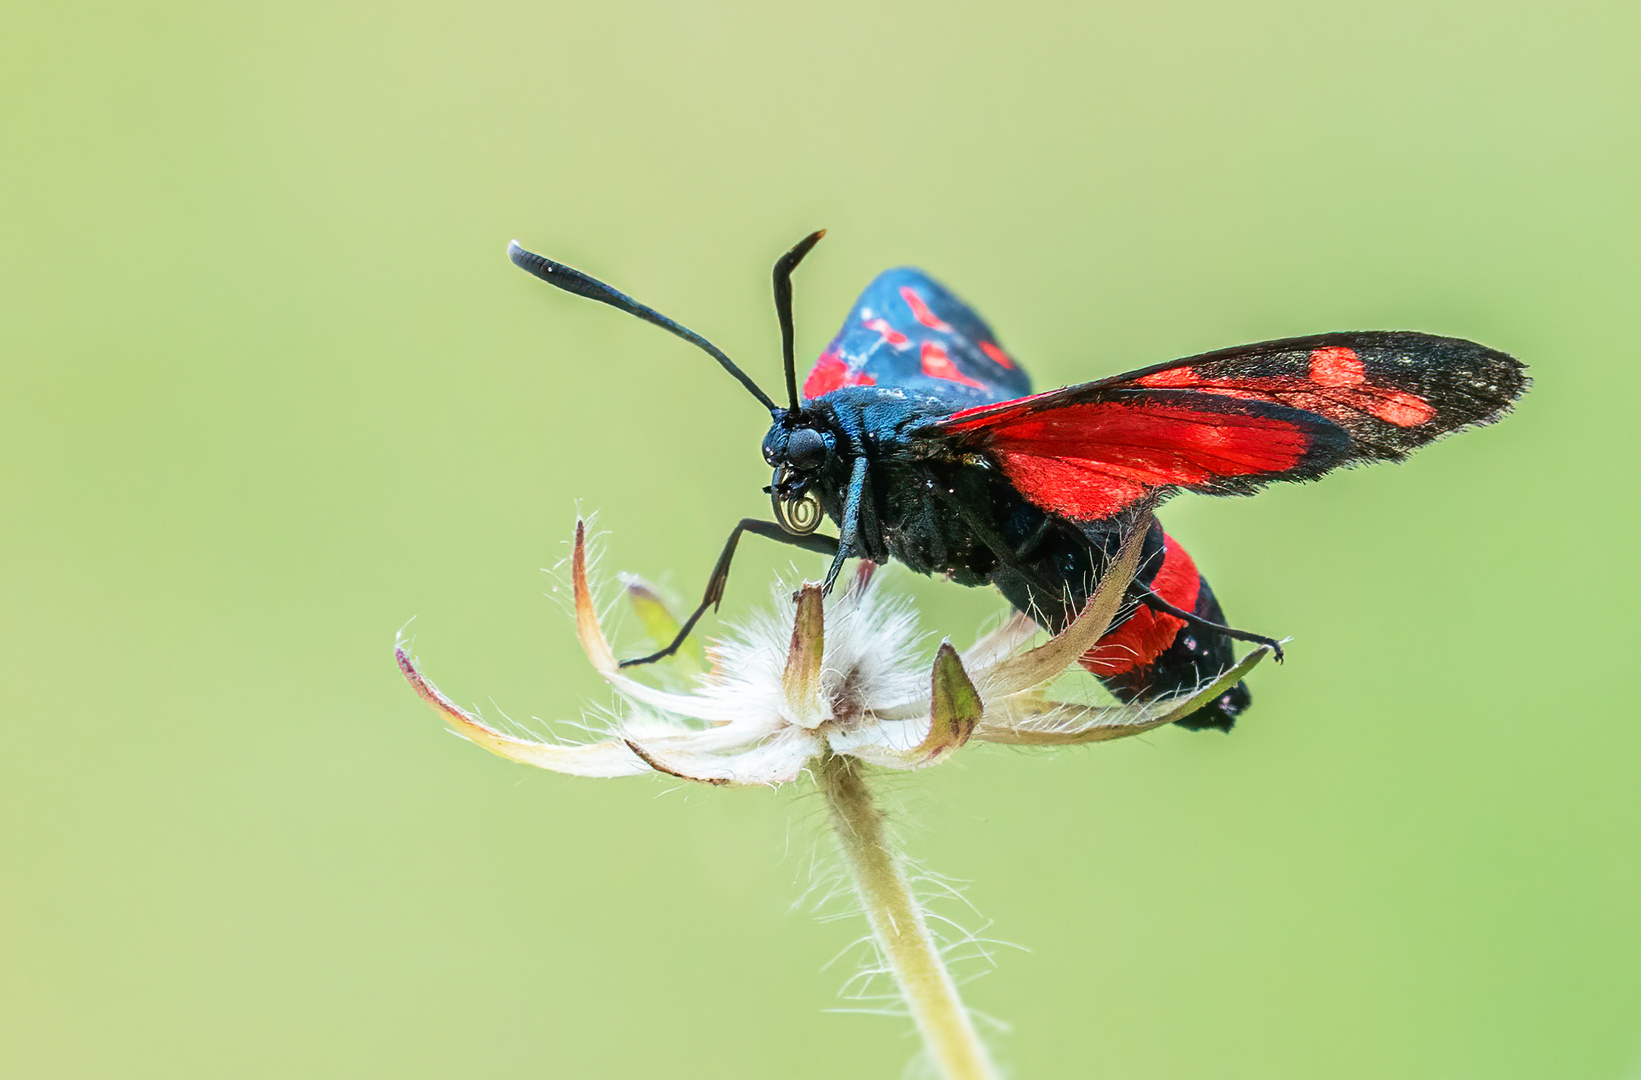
(848, 679)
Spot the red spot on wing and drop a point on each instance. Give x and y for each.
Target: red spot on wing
(1147, 633)
(1403, 410)
(829, 373)
(938, 364)
(1090, 461)
(921, 312)
(890, 334)
(996, 354)
(1337, 366)
(1337, 387)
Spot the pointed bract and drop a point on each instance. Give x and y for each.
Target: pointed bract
(954, 704)
(1019, 673)
(661, 624)
(607, 758)
(801, 679)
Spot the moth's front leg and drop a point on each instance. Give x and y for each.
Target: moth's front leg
(825, 545)
(849, 525)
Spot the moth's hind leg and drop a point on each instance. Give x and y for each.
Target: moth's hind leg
(1175, 640)
(1014, 556)
(1157, 603)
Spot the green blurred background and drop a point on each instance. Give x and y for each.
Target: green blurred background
(271, 390)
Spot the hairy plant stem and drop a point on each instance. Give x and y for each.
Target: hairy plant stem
(898, 925)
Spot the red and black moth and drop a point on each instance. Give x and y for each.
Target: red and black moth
(919, 436)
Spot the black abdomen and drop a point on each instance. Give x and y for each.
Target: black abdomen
(1150, 653)
(973, 525)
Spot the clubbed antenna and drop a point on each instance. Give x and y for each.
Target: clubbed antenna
(783, 307)
(574, 281)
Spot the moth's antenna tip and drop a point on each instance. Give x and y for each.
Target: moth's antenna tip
(515, 251)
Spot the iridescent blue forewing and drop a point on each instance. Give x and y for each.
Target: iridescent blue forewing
(907, 330)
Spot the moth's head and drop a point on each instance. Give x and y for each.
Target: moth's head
(799, 450)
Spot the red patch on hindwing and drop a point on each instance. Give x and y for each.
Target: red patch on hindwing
(830, 373)
(921, 312)
(1089, 461)
(1337, 387)
(938, 364)
(1147, 633)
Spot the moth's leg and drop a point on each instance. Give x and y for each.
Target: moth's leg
(1014, 557)
(849, 522)
(1034, 541)
(825, 545)
(1157, 603)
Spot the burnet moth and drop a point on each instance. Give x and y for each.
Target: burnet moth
(918, 435)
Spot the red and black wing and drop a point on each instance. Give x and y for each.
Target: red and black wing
(1231, 421)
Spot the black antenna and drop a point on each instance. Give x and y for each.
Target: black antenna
(783, 306)
(574, 281)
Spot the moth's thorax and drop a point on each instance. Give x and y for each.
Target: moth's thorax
(881, 422)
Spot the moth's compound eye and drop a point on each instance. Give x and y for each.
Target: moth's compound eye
(806, 449)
